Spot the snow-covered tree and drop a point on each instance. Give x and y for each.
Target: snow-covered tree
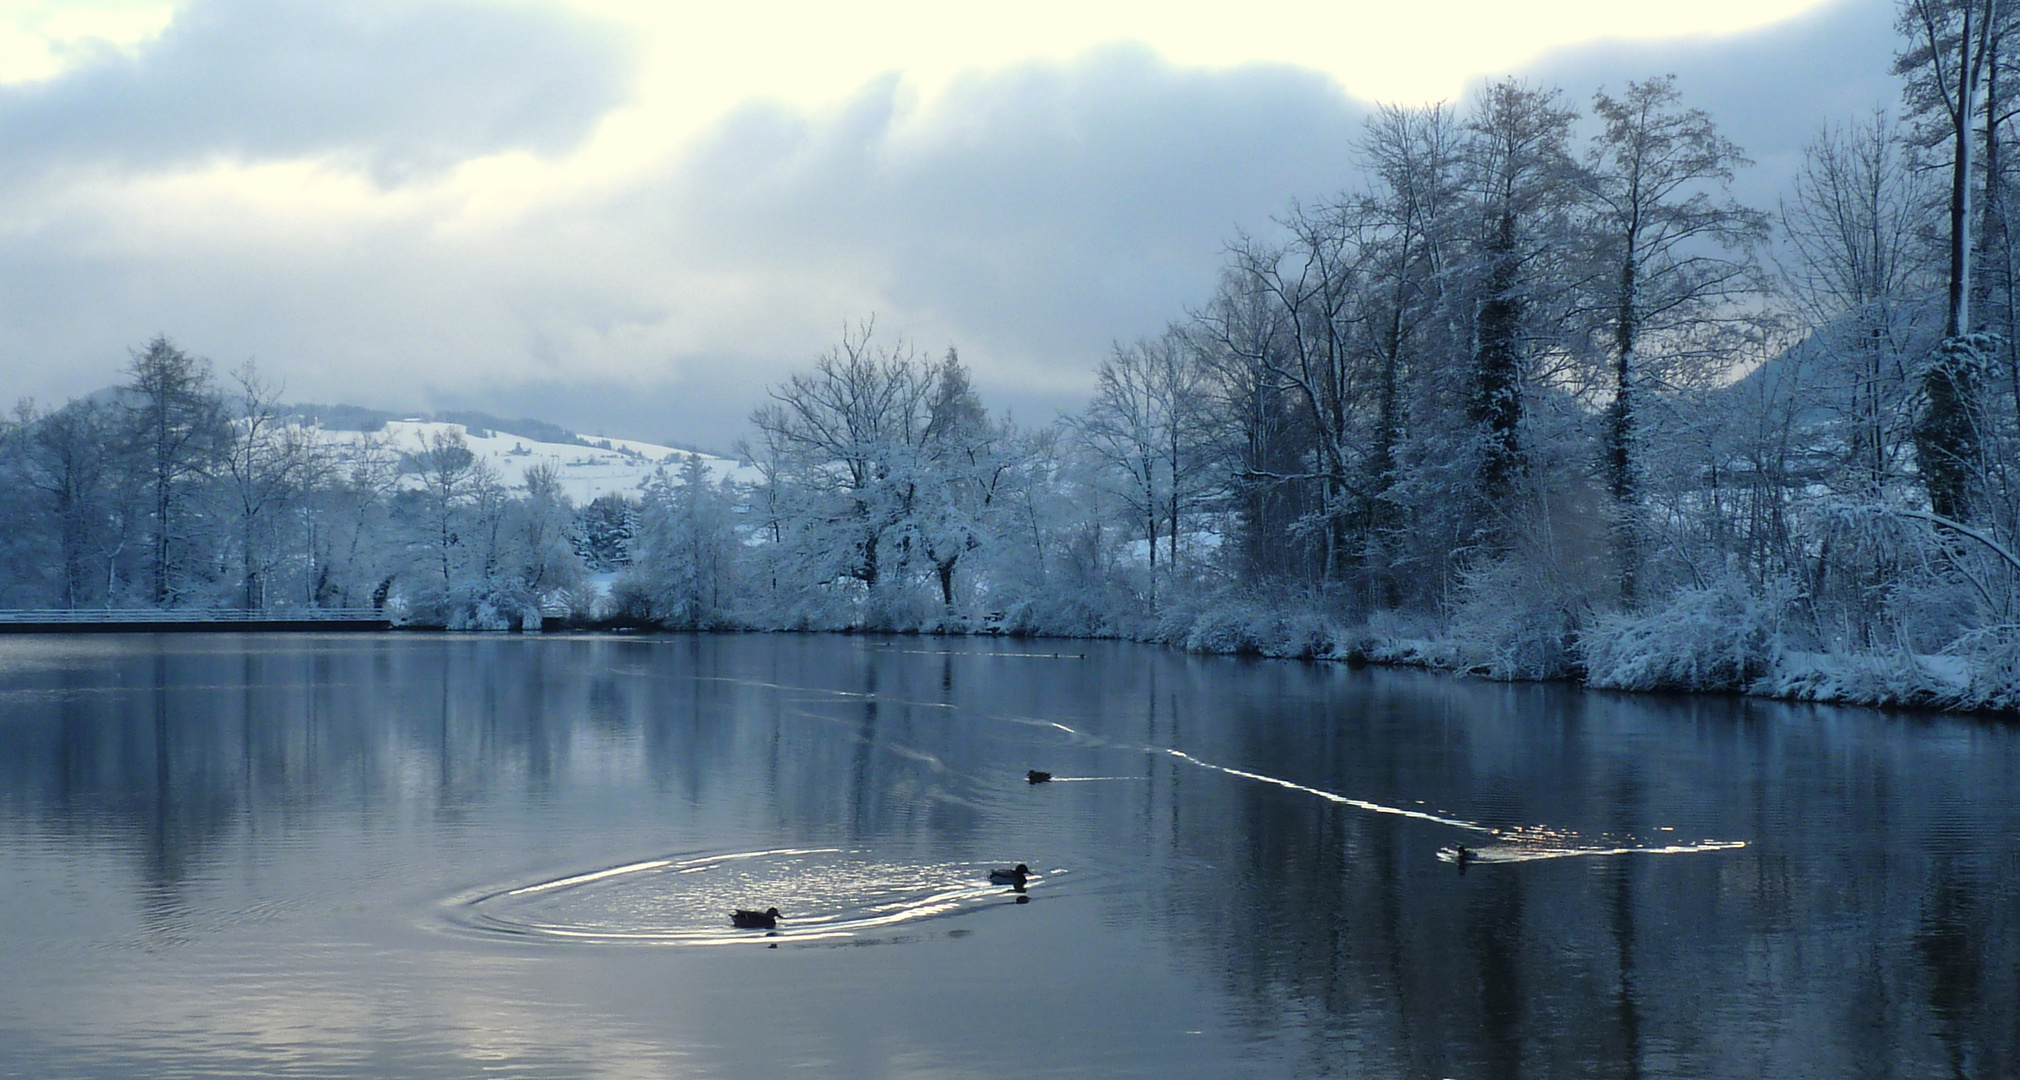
(177, 427)
(687, 569)
(1674, 251)
(604, 531)
(844, 442)
(267, 468)
(70, 460)
(1520, 184)
(541, 540)
(1147, 430)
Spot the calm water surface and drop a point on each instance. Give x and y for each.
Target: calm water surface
(424, 856)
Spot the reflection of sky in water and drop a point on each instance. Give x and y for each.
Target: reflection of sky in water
(425, 855)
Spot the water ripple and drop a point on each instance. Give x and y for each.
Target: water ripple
(825, 894)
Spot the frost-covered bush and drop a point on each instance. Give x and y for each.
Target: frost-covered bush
(501, 607)
(1516, 620)
(1068, 613)
(897, 608)
(1225, 630)
(1397, 637)
(1978, 671)
(1992, 662)
(1894, 677)
(1307, 635)
(1294, 628)
(1719, 636)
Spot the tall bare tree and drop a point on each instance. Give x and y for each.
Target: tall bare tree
(1855, 219)
(71, 455)
(1678, 251)
(177, 424)
(1144, 427)
(839, 436)
(267, 464)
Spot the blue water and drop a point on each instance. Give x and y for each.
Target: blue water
(412, 855)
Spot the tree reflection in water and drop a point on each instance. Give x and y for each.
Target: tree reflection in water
(1867, 928)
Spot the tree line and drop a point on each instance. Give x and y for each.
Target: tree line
(175, 490)
(1532, 395)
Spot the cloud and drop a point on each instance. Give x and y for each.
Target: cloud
(1771, 90)
(397, 89)
(1030, 214)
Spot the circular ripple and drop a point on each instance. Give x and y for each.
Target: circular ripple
(824, 894)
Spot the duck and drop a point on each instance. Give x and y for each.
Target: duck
(768, 919)
(1037, 776)
(1013, 877)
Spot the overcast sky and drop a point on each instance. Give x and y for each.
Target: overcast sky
(630, 217)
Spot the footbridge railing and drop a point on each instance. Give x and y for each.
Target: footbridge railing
(192, 619)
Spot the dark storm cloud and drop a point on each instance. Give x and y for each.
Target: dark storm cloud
(1045, 208)
(1036, 214)
(397, 88)
(1771, 90)
(1030, 215)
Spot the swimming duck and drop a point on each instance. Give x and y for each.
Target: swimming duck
(1037, 776)
(768, 919)
(1013, 877)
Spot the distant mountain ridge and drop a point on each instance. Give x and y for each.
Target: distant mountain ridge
(340, 417)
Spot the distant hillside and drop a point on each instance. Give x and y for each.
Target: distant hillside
(588, 467)
(359, 418)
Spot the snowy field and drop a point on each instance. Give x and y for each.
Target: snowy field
(587, 471)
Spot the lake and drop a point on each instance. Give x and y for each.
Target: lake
(439, 855)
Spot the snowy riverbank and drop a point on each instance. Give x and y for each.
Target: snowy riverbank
(1703, 642)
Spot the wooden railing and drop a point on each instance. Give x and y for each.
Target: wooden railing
(186, 617)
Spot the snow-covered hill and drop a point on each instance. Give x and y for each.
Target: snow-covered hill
(587, 471)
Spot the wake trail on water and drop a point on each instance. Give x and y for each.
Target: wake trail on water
(1330, 796)
(1526, 844)
(1513, 852)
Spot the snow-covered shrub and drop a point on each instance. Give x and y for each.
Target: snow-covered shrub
(498, 607)
(1992, 663)
(897, 607)
(1066, 613)
(1228, 630)
(1719, 636)
(1396, 637)
(1292, 628)
(1307, 635)
(1516, 620)
(1894, 677)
